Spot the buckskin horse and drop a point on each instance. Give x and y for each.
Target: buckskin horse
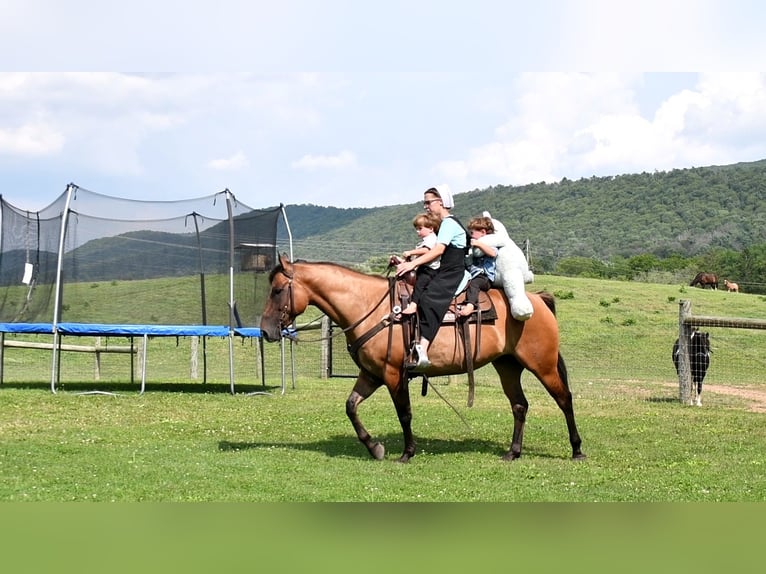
(362, 305)
(705, 279)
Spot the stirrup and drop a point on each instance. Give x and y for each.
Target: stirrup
(421, 363)
(459, 311)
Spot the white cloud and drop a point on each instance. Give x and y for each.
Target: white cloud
(34, 139)
(342, 160)
(130, 132)
(91, 121)
(235, 162)
(579, 125)
(729, 108)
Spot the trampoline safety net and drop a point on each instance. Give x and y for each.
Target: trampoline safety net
(92, 258)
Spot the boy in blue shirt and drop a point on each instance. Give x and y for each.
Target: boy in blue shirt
(483, 264)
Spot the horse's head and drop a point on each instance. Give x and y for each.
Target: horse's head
(285, 302)
(700, 342)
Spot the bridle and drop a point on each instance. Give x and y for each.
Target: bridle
(287, 313)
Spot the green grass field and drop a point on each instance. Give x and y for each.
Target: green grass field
(188, 441)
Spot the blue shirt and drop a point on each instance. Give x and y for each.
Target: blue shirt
(450, 233)
(484, 265)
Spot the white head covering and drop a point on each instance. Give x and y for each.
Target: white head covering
(446, 196)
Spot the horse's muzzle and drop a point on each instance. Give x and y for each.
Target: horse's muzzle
(270, 337)
(270, 332)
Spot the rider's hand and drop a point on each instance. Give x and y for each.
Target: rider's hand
(404, 267)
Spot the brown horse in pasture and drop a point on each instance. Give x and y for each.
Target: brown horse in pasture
(704, 280)
(363, 306)
(731, 287)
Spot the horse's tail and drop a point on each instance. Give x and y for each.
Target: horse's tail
(549, 300)
(563, 374)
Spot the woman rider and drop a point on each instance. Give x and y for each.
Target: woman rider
(450, 245)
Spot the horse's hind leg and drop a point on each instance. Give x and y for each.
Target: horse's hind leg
(363, 388)
(555, 380)
(510, 370)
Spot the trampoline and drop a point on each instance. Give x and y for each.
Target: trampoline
(142, 332)
(92, 265)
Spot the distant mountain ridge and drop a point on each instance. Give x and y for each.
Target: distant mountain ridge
(682, 211)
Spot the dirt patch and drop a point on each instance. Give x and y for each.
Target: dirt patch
(756, 397)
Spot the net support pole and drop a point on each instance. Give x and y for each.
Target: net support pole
(231, 290)
(203, 295)
(59, 288)
(289, 233)
(292, 357)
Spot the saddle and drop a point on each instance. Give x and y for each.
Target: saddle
(485, 312)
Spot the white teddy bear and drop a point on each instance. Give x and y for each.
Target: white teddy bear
(512, 270)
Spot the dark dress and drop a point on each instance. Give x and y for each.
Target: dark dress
(436, 297)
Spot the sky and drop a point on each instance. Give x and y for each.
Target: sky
(357, 104)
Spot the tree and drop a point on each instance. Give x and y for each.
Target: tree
(581, 267)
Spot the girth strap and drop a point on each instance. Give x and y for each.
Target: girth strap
(354, 347)
(466, 333)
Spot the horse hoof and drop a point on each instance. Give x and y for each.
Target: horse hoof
(579, 456)
(511, 456)
(378, 451)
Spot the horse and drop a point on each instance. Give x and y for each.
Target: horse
(363, 306)
(704, 279)
(730, 286)
(699, 358)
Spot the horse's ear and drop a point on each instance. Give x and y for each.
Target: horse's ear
(284, 261)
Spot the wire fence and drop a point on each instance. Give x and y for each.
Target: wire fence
(738, 360)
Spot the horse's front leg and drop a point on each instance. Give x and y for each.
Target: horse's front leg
(363, 388)
(400, 394)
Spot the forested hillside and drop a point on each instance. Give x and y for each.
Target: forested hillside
(683, 212)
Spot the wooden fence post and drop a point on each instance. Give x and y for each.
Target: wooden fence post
(97, 353)
(140, 359)
(685, 383)
(325, 349)
(194, 366)
(2, 356)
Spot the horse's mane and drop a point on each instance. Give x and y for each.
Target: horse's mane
(273, 273)
(280, 269)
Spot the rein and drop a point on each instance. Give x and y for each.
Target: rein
(288, 314)
(386, 321)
